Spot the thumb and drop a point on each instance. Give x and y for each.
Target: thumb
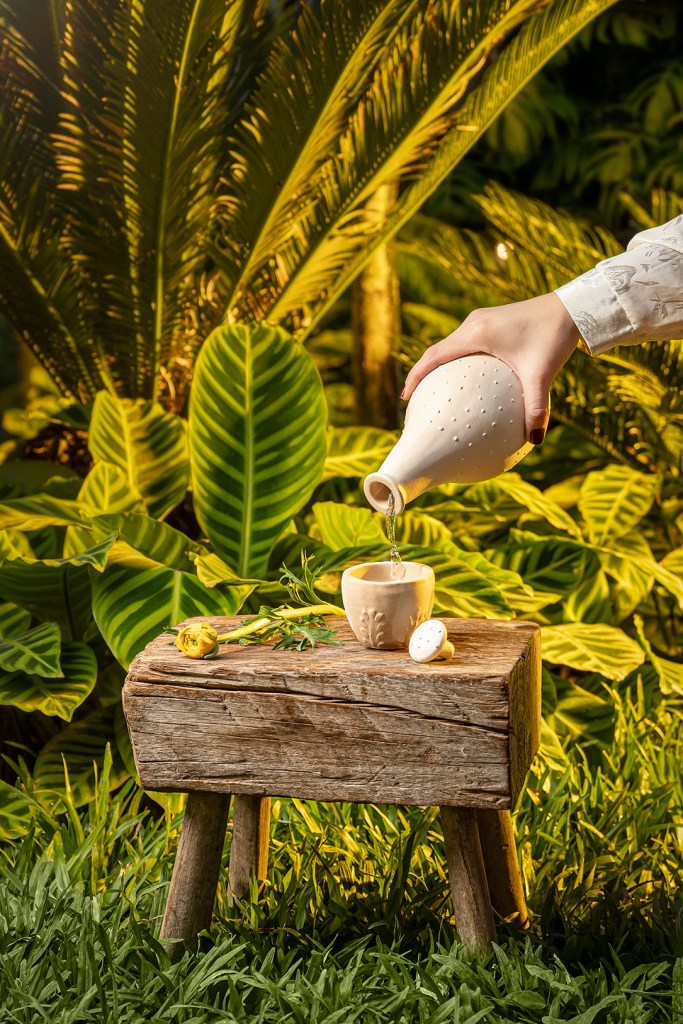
(536, 409)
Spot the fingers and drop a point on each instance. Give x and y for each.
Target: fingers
(460, 343)
(536, 408)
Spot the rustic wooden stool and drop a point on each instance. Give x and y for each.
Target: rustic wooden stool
(341, 723)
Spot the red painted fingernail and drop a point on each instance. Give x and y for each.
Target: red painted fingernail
(537, 435)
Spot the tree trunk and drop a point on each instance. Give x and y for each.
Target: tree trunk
(376, 322)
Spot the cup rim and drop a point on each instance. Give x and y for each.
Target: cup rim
(351, 574)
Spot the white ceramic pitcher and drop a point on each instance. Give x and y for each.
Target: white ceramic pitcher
(464, 423)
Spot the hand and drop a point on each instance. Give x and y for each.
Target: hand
(535, 337)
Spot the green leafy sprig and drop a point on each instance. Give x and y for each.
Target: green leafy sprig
(297, 627)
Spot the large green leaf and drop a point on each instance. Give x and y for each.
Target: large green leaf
(38, 511)
(356, 451)
(133, 606)
(257, 439)
(510, 488)
(592, 648)
(144, 542)
(343, 526)
(80, 744)
(106, 488)
(614, 500)
(148, 444)
(16, 812)
(37, 650)
(13, 619)
(53, 696)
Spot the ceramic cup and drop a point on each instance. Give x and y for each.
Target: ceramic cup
(383, 612)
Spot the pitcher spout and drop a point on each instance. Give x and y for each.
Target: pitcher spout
(379, 487)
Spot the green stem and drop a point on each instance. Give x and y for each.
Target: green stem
(286, 613)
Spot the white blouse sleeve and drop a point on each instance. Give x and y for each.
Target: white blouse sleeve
(636, 296)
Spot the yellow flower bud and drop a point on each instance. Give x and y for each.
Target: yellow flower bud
(198, 640)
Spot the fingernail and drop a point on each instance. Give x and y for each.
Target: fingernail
(537, 435)
(403, 391)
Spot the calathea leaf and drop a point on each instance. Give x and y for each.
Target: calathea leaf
(57, 588)
(591, 647)
(106, 488)
(58, 696)
(614, 500)
(147, 443)
(343, 526)
(37, 650)
(132, 606)
(356, 451)
(257, 439)
(16, 812)
(79, 744)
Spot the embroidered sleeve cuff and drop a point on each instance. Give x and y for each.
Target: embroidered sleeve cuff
(633, 297)
(594, 307)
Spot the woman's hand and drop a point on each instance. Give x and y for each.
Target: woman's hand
(534, 337)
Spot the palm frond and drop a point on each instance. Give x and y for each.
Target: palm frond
(314, 78)
(141, 144)
(407, 109)
(350, 242)
(39, 287)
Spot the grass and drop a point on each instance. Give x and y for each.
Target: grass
(354, 923)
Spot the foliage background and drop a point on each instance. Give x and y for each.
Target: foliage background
(586, 539)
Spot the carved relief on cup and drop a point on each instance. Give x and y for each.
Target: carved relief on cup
(372, 627)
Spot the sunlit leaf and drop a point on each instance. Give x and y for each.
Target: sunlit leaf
(591, 647)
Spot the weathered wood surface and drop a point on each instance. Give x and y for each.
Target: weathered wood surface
(499, 849)
(342, 723)
(467, 877)
(191, 896)
(249, 847)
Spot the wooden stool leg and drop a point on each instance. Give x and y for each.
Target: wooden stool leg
(467, 876)
(250, 837)
(502, 867)
(197, 866)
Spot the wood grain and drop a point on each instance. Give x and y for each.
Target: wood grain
(467, 877)
(504, 878)
(191, 896)
(249, 848)
(342, 723)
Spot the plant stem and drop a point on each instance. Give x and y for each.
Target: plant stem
(286, 613)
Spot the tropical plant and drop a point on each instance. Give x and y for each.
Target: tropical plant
(164, 172)
(628, 401)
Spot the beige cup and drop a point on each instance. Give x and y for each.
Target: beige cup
(383, 612)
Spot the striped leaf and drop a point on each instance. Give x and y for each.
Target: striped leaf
(591, 648)
(57, 588)
(356, 451)
(510, 489)
(80, 743)
(37, 650)
(16, 812)
(148, 444)
(614, 500)
(53, 696)
(106, 489)
(133, 606)
(342, 526)
(144, 542)
(13, 619)
(38, 511)
(257, 439)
